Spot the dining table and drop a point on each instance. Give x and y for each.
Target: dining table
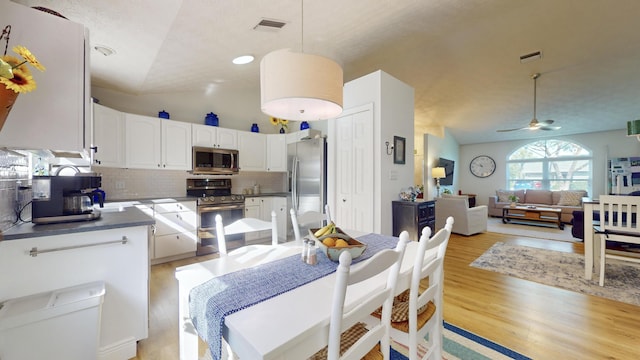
(293, 324)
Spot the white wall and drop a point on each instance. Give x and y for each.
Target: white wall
(434, 148)
(393, 108)
(604, 145)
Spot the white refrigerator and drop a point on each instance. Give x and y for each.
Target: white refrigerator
(307, 171)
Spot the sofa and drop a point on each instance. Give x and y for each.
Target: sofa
(466, 221)
(566, 200)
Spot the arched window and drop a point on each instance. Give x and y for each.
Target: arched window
(550, 164)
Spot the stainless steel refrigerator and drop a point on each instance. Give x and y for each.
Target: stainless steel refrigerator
(307, 170)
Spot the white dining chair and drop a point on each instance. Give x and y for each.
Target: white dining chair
(308, 220)
(618, 222)
(243, 226)
(349, 337)
(418, 310)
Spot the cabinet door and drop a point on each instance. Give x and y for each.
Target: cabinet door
(252, 151)
(176, 145)
(143, 142)
(276, 152)
(108, 136)
(227, 139)
(252, 209)
(265, 214)
(203, 135)
(53, 115)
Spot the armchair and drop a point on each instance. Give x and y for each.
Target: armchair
(468, 221)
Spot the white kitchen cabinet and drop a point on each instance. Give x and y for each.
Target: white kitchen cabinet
(154, 143)
(260, 207)
(252, 151)
(296, 136)
(107, 136)
(176, 145)
(213, 136)
(276, 152)
(82, 258)
(175, 234)
(53, 115)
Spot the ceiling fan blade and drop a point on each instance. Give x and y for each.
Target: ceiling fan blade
(546, 128)
(547, 122)
(507, 130)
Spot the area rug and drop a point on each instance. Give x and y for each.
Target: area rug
(458, 344)
(543, 232)
(562, 270)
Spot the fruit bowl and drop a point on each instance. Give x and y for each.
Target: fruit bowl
(355, 247)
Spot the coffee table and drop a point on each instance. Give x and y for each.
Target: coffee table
(530, 215)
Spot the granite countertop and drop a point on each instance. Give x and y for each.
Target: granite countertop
(111, 218)
(278, 194)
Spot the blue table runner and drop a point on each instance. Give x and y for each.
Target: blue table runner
(211, 301)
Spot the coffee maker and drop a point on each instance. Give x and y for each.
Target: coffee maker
(65, 198)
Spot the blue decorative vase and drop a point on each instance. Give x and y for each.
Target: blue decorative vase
(163, 114)
(211, 119)
(281, 130)
(255, 128)
(304, 125)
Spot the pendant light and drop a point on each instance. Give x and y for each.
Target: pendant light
(299, 86)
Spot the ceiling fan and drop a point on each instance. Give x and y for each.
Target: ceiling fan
(534, 124)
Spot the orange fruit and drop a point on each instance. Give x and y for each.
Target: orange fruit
(329, 241)
(341, 243)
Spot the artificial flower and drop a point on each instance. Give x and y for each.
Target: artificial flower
(279, 122)
(15, 74)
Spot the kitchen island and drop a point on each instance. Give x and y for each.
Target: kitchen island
(113, 249)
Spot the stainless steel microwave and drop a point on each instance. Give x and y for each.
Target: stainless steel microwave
(214, 161)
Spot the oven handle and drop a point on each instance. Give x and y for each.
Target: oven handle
(202, 209)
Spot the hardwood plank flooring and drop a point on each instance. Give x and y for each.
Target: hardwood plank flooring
(536, 320)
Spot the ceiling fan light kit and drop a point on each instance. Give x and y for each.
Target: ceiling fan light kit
(534, 124)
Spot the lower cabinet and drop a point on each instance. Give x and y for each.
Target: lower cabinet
(175, 231)
(413, 217)
(260, 208)
(79, 258)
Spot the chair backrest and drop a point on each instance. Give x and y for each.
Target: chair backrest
(619, 213)
(427, 265)
(244, 225)
(308, 219)
(342, 320)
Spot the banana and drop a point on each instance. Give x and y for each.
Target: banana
(327, 229)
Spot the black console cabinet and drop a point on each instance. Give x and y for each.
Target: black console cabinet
(413, 217)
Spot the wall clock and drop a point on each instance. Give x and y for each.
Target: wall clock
(482, 166)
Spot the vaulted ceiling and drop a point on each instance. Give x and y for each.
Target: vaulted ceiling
(461, 56)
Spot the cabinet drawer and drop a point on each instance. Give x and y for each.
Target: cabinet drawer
(175, 206)
(174, 244)
(175, 222)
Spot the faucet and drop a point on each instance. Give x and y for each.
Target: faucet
(60, 168)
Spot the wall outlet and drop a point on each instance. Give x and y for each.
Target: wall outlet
(120, 185)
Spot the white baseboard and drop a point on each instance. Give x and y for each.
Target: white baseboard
(125, 349)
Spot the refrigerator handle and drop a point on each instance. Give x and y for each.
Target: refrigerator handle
(294, 183)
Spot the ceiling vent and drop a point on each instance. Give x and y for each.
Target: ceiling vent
(269, 25)
(537, 55)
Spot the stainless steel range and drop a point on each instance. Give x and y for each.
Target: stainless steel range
(214, 197)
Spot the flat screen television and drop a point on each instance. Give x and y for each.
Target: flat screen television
(448, 170)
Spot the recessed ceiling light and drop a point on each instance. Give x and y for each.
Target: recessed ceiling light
(104, 50)
(244, 59)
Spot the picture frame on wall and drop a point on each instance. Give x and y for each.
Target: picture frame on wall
(399, 150)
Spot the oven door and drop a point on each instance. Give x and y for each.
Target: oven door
(207, 240)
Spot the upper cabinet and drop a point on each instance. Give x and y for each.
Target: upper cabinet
(251, 149)
(276, 152)
(213, 136)
(53, 115)
(154, 143)
(107, 137)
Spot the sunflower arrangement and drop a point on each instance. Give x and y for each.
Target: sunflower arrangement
(14, 72)
(284, 124)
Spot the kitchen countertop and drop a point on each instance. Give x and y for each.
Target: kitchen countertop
(111, 218)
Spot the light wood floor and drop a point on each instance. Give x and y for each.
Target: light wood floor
(539, 321)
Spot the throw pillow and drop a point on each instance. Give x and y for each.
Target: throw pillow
(571, 198)
(503, 195)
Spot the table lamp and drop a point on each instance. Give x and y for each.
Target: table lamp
(438, 173)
